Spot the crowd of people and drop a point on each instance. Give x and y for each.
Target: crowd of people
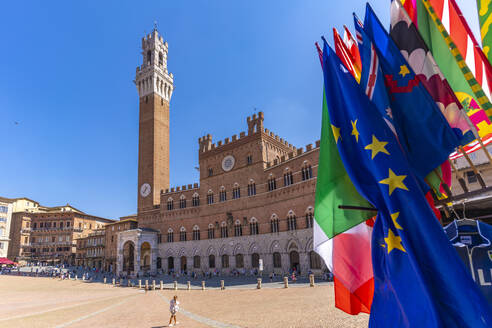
(88, 274)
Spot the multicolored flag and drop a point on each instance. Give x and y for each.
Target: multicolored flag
(423, 132)
(419, 279)
(452, 64)
(345, 55)
(485, 19)
(456, 25)
(373, 82)
(406, 36)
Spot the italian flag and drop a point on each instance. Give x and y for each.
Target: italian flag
(342, 237)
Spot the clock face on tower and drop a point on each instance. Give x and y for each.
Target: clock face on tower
(145, 190)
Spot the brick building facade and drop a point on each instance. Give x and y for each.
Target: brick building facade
(90, 249)
(48, 234)
(254, 203)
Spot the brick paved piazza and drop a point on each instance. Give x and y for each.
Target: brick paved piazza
(47, 302)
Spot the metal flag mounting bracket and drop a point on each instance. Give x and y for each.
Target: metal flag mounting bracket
(357, 208)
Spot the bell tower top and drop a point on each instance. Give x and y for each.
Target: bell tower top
(152, 76)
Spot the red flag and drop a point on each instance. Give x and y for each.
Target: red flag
(351, 44)
(344, 54)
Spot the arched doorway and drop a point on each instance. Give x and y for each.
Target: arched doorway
(145, 257)
(170, 263)
(159, 263)
(211, 261)
(183, 263)
(128, 257)
(294, 261)
(255, 260)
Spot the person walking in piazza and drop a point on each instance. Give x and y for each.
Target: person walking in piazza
(173, 308)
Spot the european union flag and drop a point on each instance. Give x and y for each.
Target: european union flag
(419, 279)
(423, 131)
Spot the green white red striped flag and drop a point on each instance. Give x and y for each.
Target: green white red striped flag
(342, 237)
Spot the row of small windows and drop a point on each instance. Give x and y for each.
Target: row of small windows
(238, 228)
(47, 239)
(53, 225)
(314, 260)
(306, 173)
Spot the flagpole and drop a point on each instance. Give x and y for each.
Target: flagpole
(357, 208)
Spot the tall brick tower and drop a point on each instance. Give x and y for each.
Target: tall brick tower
(155, 87)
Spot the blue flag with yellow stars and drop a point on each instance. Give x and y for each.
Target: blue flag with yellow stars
(423, 131)
(419, 280)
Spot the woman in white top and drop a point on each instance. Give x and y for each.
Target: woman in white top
(173, 308)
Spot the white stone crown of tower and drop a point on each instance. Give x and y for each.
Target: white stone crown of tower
(152, 76)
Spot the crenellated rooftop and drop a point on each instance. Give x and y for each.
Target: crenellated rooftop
(255, 125)
(180, 189)
(292, 155)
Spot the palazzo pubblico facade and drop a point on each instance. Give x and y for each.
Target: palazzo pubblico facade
(253, 205)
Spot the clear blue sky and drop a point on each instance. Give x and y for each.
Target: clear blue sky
(66, 77)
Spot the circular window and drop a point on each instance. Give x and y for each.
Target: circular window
(228, 163)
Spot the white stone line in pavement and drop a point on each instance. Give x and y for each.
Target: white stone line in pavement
(66, 324)
(199, 318)
(56, 309)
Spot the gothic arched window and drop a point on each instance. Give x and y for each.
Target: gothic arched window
(170, 235)
(196, 262)
(291, 221)
(251, 188)
(195, 201)
(288, 179)
(253, 226)
(182, 201)
(236, 191)
(182, 234)
(274, 223)
(210, 197)
(211, 231)
(223, 230)
(222, 194)
(196, 233)
(239, 261)
(170, 204)
(309, 218)
(306, 171)
(272, 183)
(211, 261)
(277, 260)
(238, 229)
(225, 261)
